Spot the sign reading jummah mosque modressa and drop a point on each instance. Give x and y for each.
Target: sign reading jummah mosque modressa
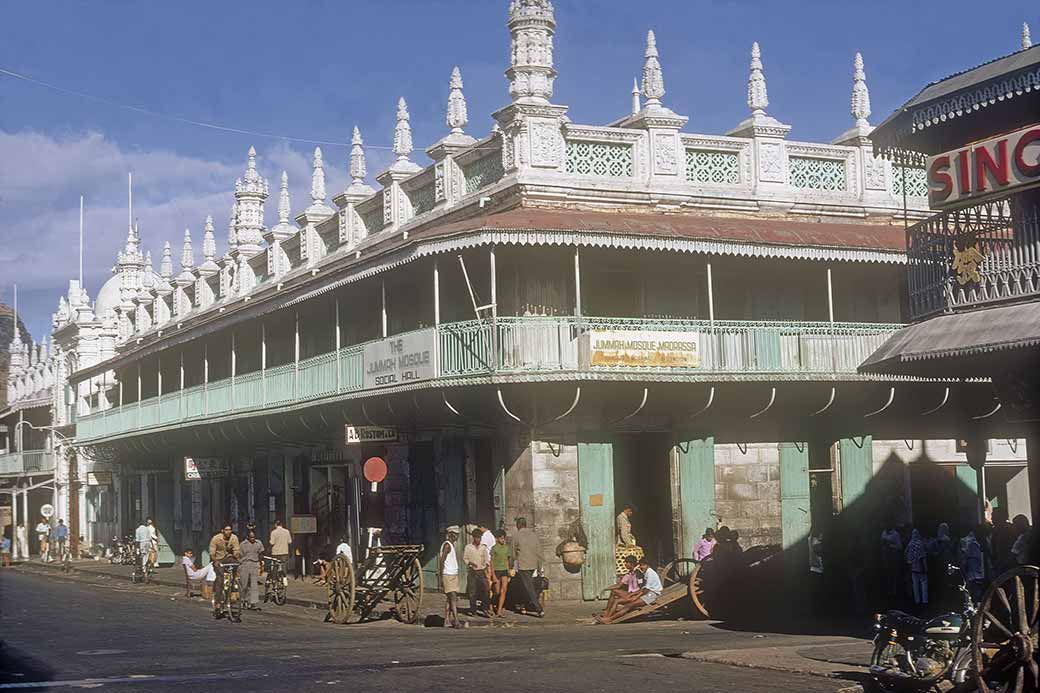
(400, 360)
(642, 349)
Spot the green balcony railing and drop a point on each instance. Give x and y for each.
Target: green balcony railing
(27, 462)
(518, 346)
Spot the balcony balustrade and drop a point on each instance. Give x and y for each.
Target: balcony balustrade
(973, 257)
(522, 346)
(27, 462)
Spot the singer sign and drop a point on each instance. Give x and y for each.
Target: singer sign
(996, 165)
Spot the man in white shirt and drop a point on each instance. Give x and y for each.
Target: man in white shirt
(145, 535)
(21, 542)
(43, 534)
(652, 588)
(344, 550)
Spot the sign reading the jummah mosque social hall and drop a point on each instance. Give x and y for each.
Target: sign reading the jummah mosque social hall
(996, 165)
(642, 349)
(401, 360)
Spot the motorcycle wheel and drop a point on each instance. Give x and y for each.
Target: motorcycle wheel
(884, 655)
(279, 595)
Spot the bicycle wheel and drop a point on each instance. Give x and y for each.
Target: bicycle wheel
(234, 600)
(280, 590)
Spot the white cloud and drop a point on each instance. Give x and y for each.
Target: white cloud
(42, 177)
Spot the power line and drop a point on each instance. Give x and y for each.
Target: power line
(177, 119)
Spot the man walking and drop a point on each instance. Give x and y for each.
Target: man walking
(143, 535)
(43, 533)
(448, 569)
(223, 547)
(252, 552)
(21, 542)
(60, 539)
(477, 560)
(281, 538)
(527, 548)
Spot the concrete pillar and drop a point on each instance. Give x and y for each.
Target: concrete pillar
(976, 449)
(1033, 465)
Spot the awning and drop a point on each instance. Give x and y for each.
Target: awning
(971, 338)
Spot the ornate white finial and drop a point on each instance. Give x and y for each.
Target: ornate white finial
(457, 115)
(148, 279)
(402, 132)
(653, 78)
(531, 74)
(284, 208)
(209, 241)
(757, 96)
(1027, 39)
(357, 158)
(636, 107)
(318, 179)
(232, 230)
(187, 253)
(860, 94)
(166, 264)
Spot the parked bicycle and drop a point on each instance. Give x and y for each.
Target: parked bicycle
(66, 556)
(230, 603)
(144, 570)
(276, 580)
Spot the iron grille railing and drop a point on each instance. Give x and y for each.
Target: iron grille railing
(973, 257)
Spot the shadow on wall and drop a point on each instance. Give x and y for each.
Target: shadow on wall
(853, 576)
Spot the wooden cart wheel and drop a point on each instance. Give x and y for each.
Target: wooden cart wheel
(1006, 634)
(408, 595)
(697, 593)
(340, 586)
(678, 571)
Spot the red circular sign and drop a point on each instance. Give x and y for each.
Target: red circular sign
(375, 469)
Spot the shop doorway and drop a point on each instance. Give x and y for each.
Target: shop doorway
(642, 477)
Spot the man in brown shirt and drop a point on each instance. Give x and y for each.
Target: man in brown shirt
(223, 547)
(527, 548)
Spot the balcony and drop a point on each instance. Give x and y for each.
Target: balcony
(27, 462)
(973, 258)
(561, 347)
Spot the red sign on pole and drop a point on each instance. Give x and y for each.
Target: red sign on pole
(375, 469)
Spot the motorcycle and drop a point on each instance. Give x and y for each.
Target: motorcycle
(120, 551)
(915, 653)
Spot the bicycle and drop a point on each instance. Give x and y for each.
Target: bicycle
(276, 580)
(144, 571)
(230, 604)
(66, 556)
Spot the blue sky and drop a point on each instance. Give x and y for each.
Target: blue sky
(314, 69)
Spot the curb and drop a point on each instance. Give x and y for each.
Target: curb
(708, 657)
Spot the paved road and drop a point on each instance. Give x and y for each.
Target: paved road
(60, 633)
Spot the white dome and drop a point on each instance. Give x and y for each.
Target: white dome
(109, 297)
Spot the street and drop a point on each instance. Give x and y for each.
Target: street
(63, 632)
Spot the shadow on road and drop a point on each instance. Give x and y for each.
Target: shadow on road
(19, 667)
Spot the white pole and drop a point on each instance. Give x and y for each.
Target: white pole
(81, 243)
(16, 311)
(711, 297)
(436, 294)
(830, 296)
(577, 283)
(339, 345)
(382, 288)
(130, 198)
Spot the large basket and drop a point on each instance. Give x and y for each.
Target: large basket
(621, 551)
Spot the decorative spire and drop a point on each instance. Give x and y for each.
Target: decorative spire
(357, 158)
(318, 179)
(284, 207)
(250, 194)
(149, 270)
(187, 253)
(757, 97)
(457, 115)
(166, 264)
(209, 241)
(531, 74)
(860, 94)
(251, 173)
(1027, 39)
(636, 107)
(402, 132)
(653, 78)
(232, 231)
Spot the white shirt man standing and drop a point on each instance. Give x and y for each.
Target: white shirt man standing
(145, 535)
(21, 542)
(43, 535)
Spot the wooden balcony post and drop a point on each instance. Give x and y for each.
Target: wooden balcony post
(182, 383)
(436, 294)
(339, 345)
(577, 282)
(494, 309)
(296, 353)
(234, 366)
(382, 289)
(205, 378)
(711, 318)
(263, 361)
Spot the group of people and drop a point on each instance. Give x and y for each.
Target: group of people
(247, 555)
(638, 587)
(53, 541)
(492, 560)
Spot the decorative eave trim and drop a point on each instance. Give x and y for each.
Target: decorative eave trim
(976, 99)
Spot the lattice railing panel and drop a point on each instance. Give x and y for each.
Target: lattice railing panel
(599, 159)
(817, 174)
(704, 166)
(423, 199)
(915, 179)
(482, 173)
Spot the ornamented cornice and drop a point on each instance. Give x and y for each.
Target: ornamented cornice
(601, 134)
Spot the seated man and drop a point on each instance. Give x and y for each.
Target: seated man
(626, 588)
(190, 573)
(647, 595)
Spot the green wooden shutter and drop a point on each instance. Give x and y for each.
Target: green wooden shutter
(857, 467)
(696, 471)
(596, 488)
(795, 516)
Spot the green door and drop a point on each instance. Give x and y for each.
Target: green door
(795, 518)
(695, 469)
(857, 468)
(596, 489)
